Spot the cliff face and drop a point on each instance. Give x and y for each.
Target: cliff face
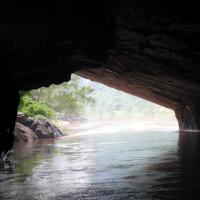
(147, 48)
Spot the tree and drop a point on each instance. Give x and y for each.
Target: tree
(70, 98)
(33, 108)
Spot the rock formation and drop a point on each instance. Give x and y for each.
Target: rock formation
(23, 133)
(28, 129)
(146, 48)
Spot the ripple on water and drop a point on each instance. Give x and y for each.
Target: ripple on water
(114, 166)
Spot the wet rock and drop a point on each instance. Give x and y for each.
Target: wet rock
(23, 119)
(45, 129)
(28, 129)
(24, 133)
(188, 117)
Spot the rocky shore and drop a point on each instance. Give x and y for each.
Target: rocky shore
(29, 130)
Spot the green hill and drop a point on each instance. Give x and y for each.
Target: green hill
(114, 104)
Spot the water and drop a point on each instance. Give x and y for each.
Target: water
(113, 165)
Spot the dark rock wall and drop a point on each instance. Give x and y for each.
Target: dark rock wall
(9, 100)
(148, 48)
(188, 117)
(50, 40)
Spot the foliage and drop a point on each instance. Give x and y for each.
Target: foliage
(81, 97)
(33, 108)
(70, 98)
(114, 104)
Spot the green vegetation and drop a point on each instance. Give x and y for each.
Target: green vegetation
(69, 98)
(33, 108)
(84, 98)
(113, 104)
(27, 163)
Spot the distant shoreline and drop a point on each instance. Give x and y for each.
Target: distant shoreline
(111, 126)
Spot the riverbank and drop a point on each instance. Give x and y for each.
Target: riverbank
(29, 130)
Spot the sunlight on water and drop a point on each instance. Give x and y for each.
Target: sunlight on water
(128, 126)
(131, 126)
(115, 165)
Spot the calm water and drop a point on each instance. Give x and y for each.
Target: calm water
(113, 165)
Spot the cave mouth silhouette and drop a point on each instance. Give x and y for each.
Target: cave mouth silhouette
(12, 98)
(146, 48)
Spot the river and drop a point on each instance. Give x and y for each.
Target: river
(107, 163)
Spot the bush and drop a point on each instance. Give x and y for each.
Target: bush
(33, 108)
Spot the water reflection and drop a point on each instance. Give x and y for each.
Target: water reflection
(126, 165)
(180, 170)
(28, 156)
(189, 155)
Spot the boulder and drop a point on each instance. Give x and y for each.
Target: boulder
(24, 133)
(23, 119)
(28, 129)
(45, 129)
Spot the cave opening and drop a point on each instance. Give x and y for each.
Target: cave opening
(84, 102)
(149, 49)
(100, 156)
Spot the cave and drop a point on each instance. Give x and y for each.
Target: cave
(146, 48)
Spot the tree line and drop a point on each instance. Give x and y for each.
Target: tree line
(70, 98)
